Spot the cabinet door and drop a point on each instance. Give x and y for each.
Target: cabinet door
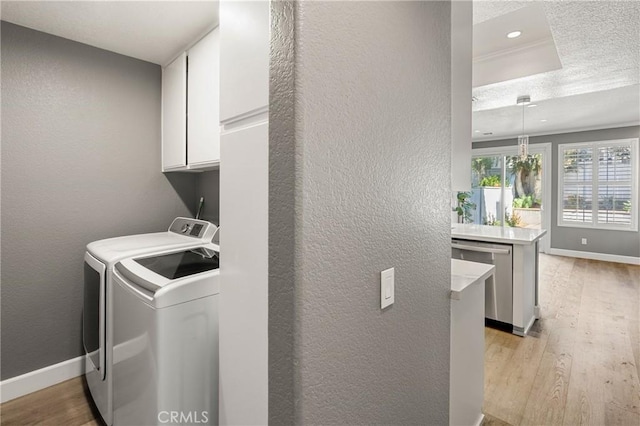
(244, 58)
(203, 104)
(174, 118)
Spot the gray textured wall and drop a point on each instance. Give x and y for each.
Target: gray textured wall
(282, 214)
(624, 243)
(372, 135)
(80, 162)
(208, 186)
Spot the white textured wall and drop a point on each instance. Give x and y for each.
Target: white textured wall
(372, 191)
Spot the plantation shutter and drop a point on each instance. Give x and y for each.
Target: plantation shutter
(577, 196)
(614, 184)
(597, 184)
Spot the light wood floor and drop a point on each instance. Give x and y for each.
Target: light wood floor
(579, 364)
(65, 404)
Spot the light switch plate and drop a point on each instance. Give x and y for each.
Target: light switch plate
(387, 287)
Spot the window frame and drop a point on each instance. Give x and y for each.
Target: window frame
(595, 181)
(546, 149)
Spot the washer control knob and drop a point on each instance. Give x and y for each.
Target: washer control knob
(185, 228)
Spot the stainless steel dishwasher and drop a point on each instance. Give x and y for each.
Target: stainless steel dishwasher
(499, 288)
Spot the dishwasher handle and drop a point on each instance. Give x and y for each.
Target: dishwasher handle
(481, 249)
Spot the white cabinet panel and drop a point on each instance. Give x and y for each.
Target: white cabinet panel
(174, 119)
(203, 122)
(244, 186)
(461, 81)
(244, 181)
(466, 388)
(244, 58)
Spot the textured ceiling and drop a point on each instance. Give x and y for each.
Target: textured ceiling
(154, 31)
(598, 43)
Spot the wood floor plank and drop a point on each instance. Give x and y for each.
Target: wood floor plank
(633, 328)
(548, 397)
(632, 276)
(616, 416)
(489, 336)
(584, 398)
(507, 384)
(63, 404)
(622, 386)
(603, 378)
(498, 353)
(588, 344)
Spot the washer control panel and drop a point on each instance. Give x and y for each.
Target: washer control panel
(193, 228)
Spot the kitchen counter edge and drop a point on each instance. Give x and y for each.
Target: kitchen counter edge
(496, 234)
(465, 273)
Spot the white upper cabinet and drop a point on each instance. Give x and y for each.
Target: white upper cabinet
(191, 108)
(244, 59)
(203, 124)
(174, 118)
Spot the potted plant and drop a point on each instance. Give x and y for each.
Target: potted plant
(464, 207)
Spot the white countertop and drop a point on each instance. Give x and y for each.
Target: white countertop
(465, 273)
(496, 234)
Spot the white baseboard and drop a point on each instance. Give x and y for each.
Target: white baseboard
(39, 379)
(595, 256)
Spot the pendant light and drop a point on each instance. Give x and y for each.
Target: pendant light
(523, 139)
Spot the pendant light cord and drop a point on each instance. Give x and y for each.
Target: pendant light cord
(523, 105)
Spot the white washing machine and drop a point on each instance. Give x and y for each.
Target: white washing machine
(165, 335)
(99, 261)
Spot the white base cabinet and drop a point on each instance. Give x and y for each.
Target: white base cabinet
(244, 296)
(466, 391)
(467, 357)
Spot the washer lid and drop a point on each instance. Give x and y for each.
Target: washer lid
(166, 279)
(179, 264)
(182, 234)
(111, 250)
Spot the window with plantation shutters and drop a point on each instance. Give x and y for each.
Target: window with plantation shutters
(598, 185)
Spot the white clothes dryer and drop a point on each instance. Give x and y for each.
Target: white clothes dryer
(165, 338)
(97, 320)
